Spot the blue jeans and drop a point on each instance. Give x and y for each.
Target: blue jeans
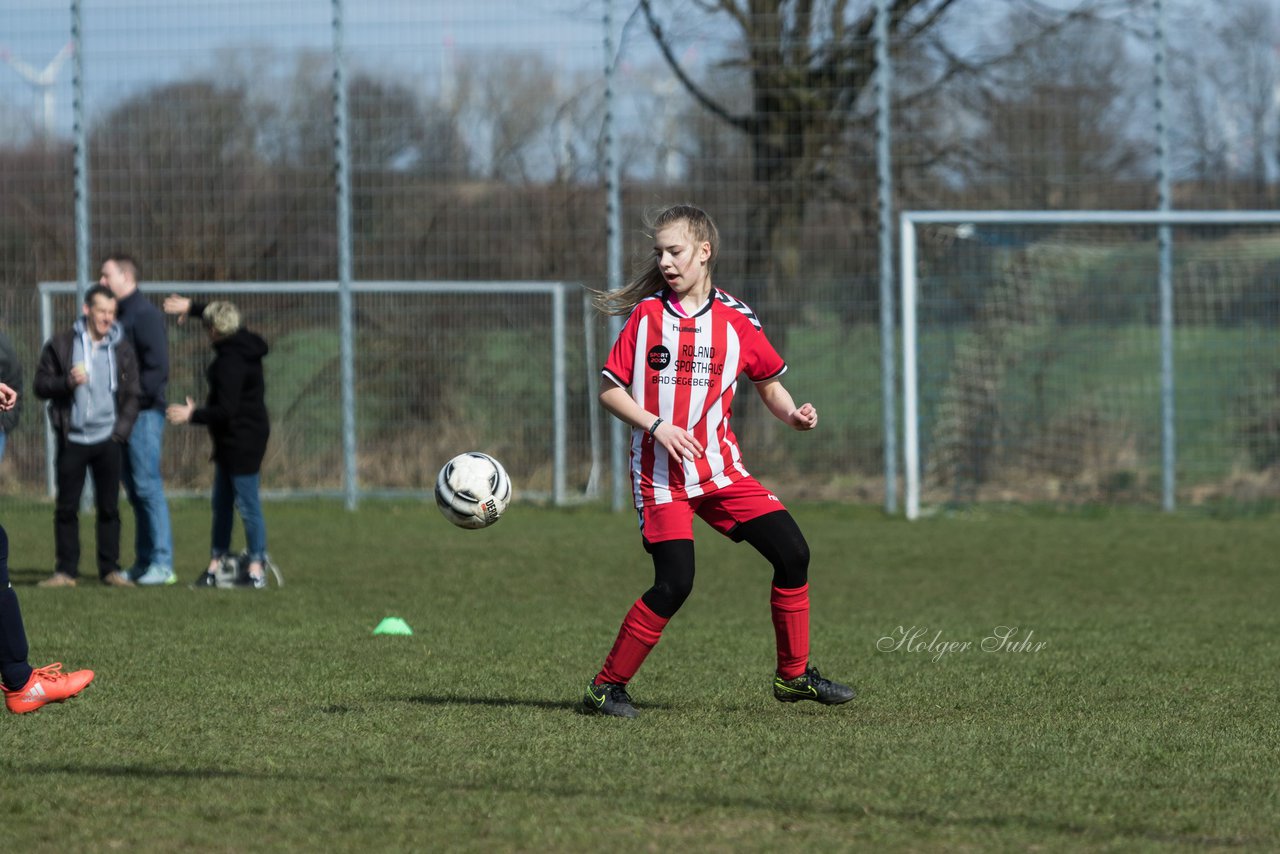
(238, 492)
(153, 538)
(2, 441)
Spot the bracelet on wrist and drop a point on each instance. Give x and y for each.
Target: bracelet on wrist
(654, 426)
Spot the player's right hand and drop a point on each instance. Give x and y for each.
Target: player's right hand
(677, 441)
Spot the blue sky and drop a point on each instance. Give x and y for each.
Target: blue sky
(130, 44)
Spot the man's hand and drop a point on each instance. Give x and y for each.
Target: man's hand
(179, 305)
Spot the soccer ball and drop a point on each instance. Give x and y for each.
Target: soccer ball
(473, 490)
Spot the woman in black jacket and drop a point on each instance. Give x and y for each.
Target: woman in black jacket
(236, 414)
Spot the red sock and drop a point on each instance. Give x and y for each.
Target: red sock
(640, 631)
(790, 609)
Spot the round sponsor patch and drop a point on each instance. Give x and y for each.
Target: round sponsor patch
(659, 357)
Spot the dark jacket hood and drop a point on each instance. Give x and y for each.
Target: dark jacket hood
(247, 345)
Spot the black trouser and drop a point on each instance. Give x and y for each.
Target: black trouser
(102, 461)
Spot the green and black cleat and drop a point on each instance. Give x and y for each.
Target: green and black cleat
(608, 699)
(811, 686)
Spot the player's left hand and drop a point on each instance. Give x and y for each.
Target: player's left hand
(804, 418)
(8, 397)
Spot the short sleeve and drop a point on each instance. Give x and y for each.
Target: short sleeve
(620, 366)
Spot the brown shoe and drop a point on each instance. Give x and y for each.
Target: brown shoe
(116, 578)
(58, 579)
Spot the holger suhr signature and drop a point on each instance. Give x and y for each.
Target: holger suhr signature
(920, 639)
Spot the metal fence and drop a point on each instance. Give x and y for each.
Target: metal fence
(443, 367)
(328, 141)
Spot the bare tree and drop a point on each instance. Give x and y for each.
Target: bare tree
(1198, 80)
(809, 66)
(1054, 120)
(165, 164)
(1249, 31)
(1224, 66)
(805, 68)
(510, 103)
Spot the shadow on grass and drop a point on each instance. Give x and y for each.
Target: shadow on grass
(148, 772)
(1066, 829)
(507, 702)
(28, 577)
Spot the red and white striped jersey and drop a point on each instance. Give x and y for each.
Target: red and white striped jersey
(686, 370)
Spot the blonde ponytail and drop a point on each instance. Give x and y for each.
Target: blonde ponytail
(648, 279)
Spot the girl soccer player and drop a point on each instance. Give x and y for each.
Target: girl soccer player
(672, 375)
(26, 689)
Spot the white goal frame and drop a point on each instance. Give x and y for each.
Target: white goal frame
(908, 222)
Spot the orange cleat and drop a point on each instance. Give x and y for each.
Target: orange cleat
(46, 685)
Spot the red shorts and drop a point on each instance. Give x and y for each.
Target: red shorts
(724, 510)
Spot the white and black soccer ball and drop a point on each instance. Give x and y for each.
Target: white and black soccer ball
(473, 490)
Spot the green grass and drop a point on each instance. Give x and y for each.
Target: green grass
(242, 721)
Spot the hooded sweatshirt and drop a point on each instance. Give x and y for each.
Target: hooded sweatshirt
(93, 405)
(53, 383)
(236, 411)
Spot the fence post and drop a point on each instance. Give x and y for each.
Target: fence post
(559, 395)
(80, 157)
(1164, 240)
(342, 172)
(884, 178)
(910, 377)
(613, 204)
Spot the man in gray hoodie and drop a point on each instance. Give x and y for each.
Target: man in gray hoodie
(89, 375)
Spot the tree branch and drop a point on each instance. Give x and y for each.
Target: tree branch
(746, 124)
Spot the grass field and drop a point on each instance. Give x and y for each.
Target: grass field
(276, 721)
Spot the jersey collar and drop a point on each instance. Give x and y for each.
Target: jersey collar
(703, 309)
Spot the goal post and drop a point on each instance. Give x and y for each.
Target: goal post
(1057, 356)
(441, 368)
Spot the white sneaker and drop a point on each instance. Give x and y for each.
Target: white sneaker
(156, 575)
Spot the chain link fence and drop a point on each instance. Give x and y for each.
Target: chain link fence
(502, 142)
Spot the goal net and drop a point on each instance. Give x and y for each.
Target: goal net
(1041, 363)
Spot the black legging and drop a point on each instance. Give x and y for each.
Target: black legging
(13, 639)
(775, 535)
